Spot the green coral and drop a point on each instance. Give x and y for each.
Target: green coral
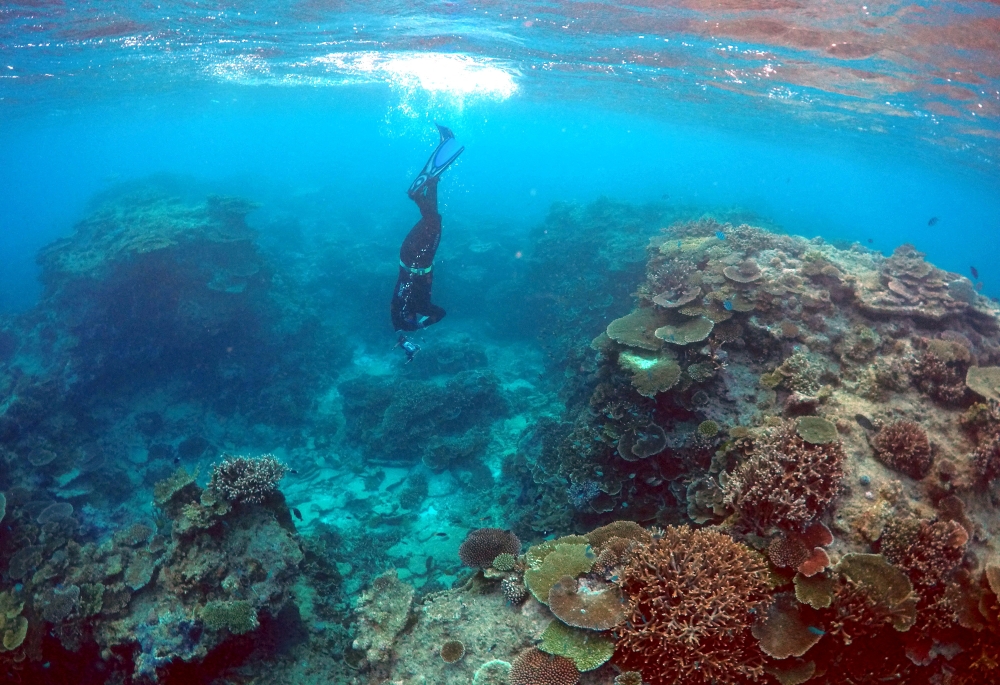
(651, 373)
(691, 331)
(585, 648)
(505, 562)
(564, 560)
(708, 429)
(165, 490)
(236, 616)
(13, 626)
(816, 431)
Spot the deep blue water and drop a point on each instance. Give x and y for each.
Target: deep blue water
(553, 103)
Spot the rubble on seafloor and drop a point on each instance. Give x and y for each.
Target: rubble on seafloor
(830, 413)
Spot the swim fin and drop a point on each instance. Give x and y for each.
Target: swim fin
(446, 152)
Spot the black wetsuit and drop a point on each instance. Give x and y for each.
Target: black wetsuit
(411, 306)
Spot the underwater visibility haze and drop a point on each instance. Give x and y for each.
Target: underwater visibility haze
(484, 343)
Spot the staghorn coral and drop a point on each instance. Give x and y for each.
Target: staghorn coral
(247, 479)
(786, 482)
(692, 597)
(903, 446)
(534, 667)
(928, 551)
(482, 545)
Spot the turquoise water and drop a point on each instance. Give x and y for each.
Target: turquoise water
(147, 326)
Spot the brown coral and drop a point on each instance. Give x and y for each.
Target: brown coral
(452, 651)
(534, 667)
(928, 551)
(693, 594)
(903, 446)
(786, 482)
(590, 604)
(482, 545)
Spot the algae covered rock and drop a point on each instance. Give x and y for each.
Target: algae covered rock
(381, 615)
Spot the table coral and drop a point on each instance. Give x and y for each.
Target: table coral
(692, 594)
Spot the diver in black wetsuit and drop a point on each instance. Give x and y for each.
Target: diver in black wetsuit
(411, 307)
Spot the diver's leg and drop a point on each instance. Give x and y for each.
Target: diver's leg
(421, 243)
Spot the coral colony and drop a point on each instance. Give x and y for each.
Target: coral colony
(753, 458)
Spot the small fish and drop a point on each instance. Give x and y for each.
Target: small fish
(933, 220)
(870, 241)
(441, 535)
(298, 514)
(816, 631)
(864, 422)
(294, 472)
(678, 244)
(720, 235)
(728, 305)
(177, 460)
(975, 272)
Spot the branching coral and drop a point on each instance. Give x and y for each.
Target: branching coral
(928, 551)
(693, 594)
(247, 479)
(903, 446)
(786, 482)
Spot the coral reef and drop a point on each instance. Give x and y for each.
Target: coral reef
(534, 667)
(786, 482)
(482, 546)
(692, 596)
(382, 613)
(903, 446)
(247, 479)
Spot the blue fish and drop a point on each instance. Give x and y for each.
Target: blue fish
(728, 305)
(816, 631)
(678, 243)
(720, 235)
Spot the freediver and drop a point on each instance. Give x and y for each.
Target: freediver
(411, 306)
